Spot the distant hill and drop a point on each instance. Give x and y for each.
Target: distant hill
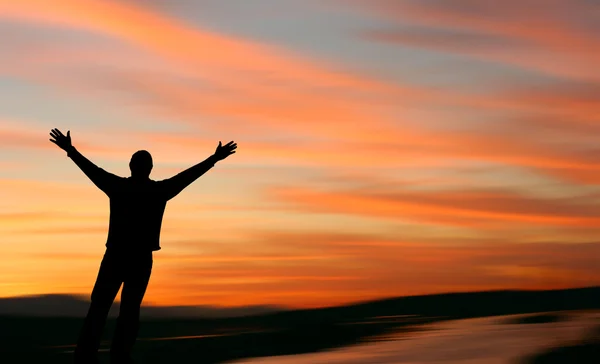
(484, 303)
(449, 305)
(62, 305)
(446, 306)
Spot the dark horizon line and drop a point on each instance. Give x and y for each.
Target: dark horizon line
(85, 298)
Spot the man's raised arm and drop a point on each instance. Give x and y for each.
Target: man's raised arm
(174, 185)
(101, 178)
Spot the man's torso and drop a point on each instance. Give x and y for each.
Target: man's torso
(136, 211)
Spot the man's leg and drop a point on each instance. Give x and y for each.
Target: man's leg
(134, 288)
(104, 292)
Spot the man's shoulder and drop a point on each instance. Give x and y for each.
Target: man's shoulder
(111, 176)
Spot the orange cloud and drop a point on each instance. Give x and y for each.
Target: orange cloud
(12, 137)
(461, 208)
(308, 269)
(411, 149)
(569, 108)
(375, 267)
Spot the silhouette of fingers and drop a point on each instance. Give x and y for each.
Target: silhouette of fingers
(56, 134)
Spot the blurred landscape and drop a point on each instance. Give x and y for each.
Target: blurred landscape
(561, 325)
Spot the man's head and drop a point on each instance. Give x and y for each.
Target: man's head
(140, 164)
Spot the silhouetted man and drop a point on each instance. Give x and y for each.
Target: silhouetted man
(137, 204)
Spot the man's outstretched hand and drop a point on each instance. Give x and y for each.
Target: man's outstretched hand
(64, 142)
(224, 151)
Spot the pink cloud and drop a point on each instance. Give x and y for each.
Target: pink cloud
(536, 35)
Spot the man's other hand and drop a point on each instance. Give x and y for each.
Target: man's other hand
(224, 151)
(64, 142)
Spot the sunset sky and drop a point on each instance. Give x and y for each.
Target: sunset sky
(385, 147)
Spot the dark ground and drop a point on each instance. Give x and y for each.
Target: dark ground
(585, 352)
(36, 339)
